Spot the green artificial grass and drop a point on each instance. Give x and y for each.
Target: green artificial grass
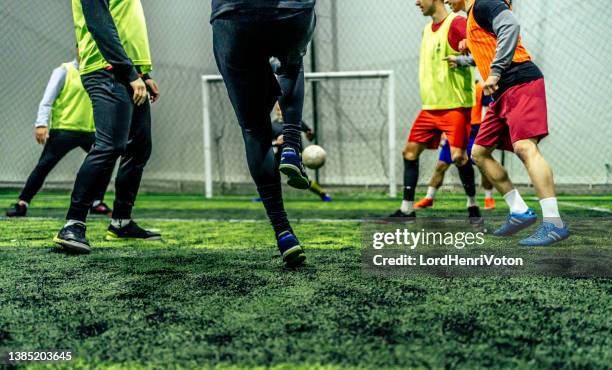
(214, 294)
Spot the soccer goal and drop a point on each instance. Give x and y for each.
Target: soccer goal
(352, 114)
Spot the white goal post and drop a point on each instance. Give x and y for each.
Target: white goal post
(391, 153)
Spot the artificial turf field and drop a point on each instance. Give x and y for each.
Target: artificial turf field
(213, 293)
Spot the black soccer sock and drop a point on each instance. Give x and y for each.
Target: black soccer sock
(466, 174)
(272, 198)
(411, 177)
(291, 81)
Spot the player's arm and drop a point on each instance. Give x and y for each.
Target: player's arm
(104, 32)
(495, 16)
(53, 89)
(507, 29)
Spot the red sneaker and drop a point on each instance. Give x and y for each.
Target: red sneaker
(424, 203)
(489, 203)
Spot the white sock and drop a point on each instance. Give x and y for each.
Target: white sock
(488, 194)
(431, 192)
(26, 204)
(515, 202)
(74, 222)
(119, 223)
(96, 203)
(550, 211)
(471, 202)
(407, 206)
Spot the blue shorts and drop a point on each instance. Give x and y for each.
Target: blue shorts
(445, 151)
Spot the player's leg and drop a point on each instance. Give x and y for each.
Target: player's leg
(112, 107)
(488, 189)
(98, 207)
(316, 188)
(437, 178)
(484, 181)
(127, 182)
(423, 135)
(528, 124)
(456, 125)
(253, 90)
(411, 154)
(56, 147)
(290, 52)
(494, 134)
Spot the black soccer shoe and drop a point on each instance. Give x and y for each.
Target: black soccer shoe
(73, 239)
(399, 216)
(474, 216)
(17, 210)
(131, 231)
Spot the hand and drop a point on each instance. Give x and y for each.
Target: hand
(490, 86)
(310, 135)
(452, 61)
(153, 90)
(463, 48)
(140, 91)
(42, 133)
(280, 140)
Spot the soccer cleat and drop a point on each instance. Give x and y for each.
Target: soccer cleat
(489, 203)
(424, 203)
(290, 249)
(516, 222)
(399, 216)
(291, 165)
(546, 234)
(474, 216)
(17, 210)
(101, 209)
(131, 231)
(72, 238)
(326, 198)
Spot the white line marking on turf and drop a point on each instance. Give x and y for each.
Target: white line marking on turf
(596, 209)
(235, 220)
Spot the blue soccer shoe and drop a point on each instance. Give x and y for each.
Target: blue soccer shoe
(290, 249)
(517, 222)
(546, 234)
(291, 165)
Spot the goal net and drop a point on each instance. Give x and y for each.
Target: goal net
(352, 113)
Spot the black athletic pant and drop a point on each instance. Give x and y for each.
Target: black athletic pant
(59, 143)
(243, 43)
(122, 130)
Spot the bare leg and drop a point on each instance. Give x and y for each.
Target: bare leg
(492, 169)
(537, 167)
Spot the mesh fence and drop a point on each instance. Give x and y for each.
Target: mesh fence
(568, 40)
(351, 124)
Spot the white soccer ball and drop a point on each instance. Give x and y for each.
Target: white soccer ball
(314, 157)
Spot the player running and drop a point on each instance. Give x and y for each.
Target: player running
(115, 62)
(448, 96)
(278, 141)
(245, 36)
(444, 160)
(516, 121)
(64, 123)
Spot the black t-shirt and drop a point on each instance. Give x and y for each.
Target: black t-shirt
(220, 7)
(485, 11)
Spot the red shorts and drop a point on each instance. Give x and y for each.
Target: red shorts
(518, 114)
(430, 124)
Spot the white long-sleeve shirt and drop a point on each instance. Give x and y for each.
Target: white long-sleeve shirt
(54, 87)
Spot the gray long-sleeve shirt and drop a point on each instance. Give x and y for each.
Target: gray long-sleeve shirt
(496, 17)
(54, 88)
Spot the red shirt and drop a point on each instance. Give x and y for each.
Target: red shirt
(457, 32)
